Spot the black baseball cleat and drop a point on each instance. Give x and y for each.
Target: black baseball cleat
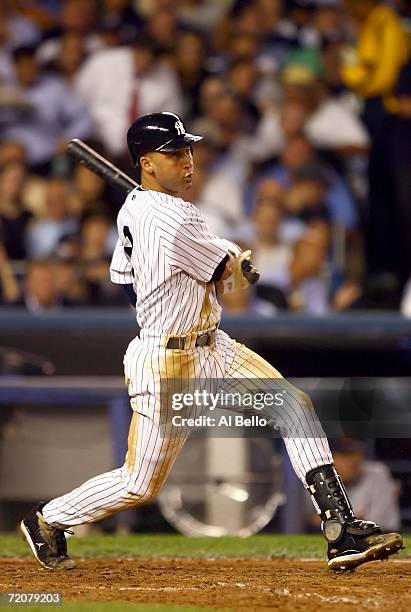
(48, 543)
(355, 548)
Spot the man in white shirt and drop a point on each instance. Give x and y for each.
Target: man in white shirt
(119, 85)
(372, 489)
(327, 121)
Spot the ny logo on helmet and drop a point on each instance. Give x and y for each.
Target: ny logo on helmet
(179, 127)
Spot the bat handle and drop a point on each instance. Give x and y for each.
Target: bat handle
(249, 271)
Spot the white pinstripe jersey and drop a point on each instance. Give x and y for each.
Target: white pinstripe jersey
(168, 253)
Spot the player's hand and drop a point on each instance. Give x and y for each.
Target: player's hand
(249, 272)
(243, 263)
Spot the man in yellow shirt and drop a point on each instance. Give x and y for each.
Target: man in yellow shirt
(382, 49)
(372, 71)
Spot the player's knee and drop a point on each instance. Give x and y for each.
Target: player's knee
(142, 493)
(141, 496)
(147, 496)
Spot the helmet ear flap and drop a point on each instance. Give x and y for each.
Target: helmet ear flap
(135, 154)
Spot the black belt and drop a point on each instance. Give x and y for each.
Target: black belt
(180, 342)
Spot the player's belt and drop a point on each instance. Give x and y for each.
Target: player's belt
(191, 340)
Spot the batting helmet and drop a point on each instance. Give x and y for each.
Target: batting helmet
(157, 132)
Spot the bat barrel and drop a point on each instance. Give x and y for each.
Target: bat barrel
(100, 166)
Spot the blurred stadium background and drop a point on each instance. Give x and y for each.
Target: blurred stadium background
(306, 110)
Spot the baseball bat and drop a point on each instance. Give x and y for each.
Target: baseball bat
(116, 177)
(100, 165)
(250, 272)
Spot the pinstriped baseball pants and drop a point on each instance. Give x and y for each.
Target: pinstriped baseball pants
(151, 453)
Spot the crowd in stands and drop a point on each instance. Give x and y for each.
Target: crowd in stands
(305, 106)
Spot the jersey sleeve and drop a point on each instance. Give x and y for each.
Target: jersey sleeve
(194, 249)
(121, 271)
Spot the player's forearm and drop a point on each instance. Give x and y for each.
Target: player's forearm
(221, 273)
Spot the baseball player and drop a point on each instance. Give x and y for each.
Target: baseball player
(175, 266)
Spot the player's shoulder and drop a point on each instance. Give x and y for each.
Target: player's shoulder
(167, 205)
(162, 208)
(184, 211)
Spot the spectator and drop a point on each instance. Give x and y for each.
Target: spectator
(279, 35)
(216, 194)
(247, 302)
(88, 193)
(211, 89)
(118, 24)
(96, 238)
(21, 31)
(308, 286)
(297, 153)
(303, 82)
(273, 242)
(71, 54)
(325, 25)
(38, 12)
(9, 288)
(400, 156)
(71, 283)
(243, 79)
(242, 46)
(189, 65)
(199, 15)
(225, 123)
(75, 16)
(305, 199)
(372, 70)
(97, 241)
(13, 217)
(11, 152)
(40, 288)
(242, 20)
(43, 129)
(43, 235)
(6, 63)
(278, 124)
(162, 28)
(370, 486)
(290, 255)
(118, 85)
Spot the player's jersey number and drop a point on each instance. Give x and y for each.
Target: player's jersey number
(128, 249)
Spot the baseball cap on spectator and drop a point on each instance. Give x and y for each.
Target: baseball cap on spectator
(303, 68)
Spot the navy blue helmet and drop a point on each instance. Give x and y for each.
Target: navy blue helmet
(157, 132)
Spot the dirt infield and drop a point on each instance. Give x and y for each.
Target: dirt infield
(237, 584)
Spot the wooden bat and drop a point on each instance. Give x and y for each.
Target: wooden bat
(100, 165)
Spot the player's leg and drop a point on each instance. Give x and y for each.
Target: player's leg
(351, 542)
(152, 450)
